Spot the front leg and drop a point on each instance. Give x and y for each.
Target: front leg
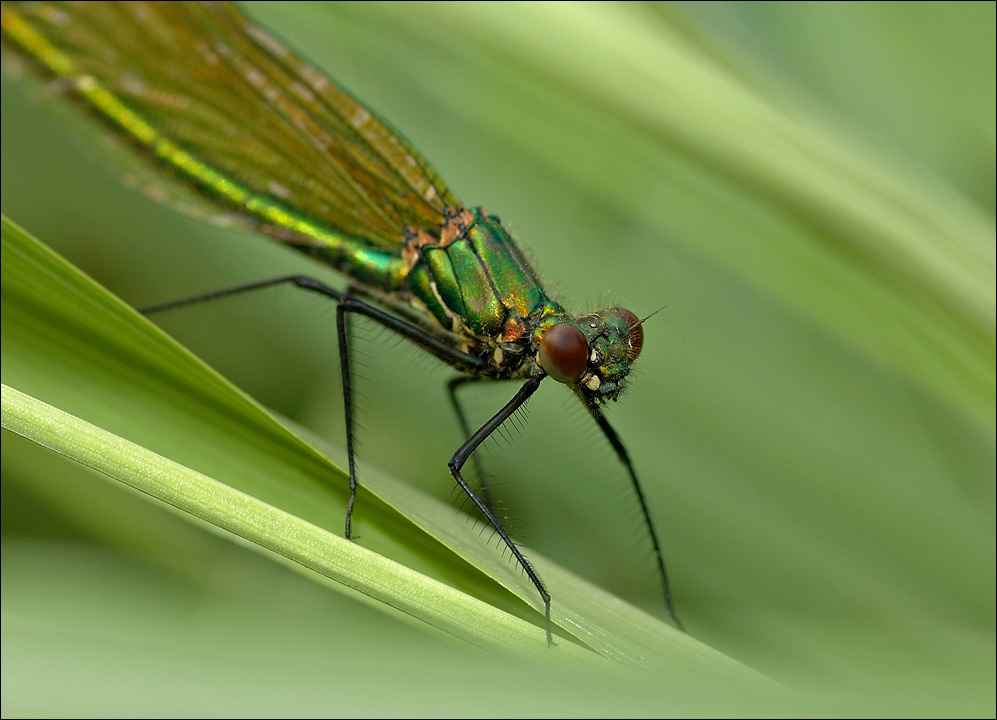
(457, 463)
(452, 386)
(624, 457)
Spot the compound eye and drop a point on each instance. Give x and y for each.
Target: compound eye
(564, 353)
(635, 334)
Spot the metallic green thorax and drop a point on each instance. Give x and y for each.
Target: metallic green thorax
(470, 278)
(478, 283)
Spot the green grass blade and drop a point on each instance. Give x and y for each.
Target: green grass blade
(268, 527)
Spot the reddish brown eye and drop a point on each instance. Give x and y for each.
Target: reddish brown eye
(564, 353)
(635, 338)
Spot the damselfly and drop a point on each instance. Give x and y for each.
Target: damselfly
(224, 107)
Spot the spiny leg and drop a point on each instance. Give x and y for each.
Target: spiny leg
(452, 386)
(342, 334)
(457, 462)
(346, 304)
(624, 457)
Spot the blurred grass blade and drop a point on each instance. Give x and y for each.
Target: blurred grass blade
(882, 247)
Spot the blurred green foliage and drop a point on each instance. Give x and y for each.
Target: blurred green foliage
(809, 190)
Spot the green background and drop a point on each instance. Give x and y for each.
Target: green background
(807, 189)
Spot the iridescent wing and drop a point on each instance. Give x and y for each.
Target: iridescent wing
(234, 112)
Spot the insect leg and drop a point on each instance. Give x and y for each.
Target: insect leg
(452, 386)
(457, 462)
(298, 280)
(346, 304)
(350, 304)
(621, 453)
